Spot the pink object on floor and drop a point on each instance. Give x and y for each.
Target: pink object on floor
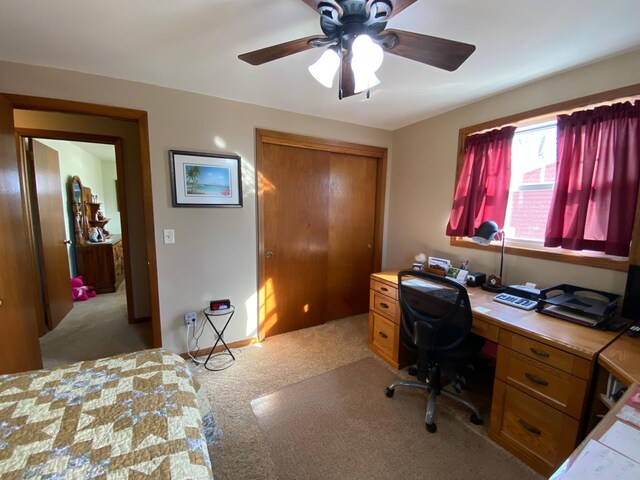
(80, 291)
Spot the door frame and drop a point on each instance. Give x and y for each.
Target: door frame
(140, 118)
(25, 133)
(314, 143)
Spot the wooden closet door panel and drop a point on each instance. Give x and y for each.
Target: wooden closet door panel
(18, 329)
(352, 198)
(295, 206)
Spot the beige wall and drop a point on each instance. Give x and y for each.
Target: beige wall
(215, 251)
(423, 177)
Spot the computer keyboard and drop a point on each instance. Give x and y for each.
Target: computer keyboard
(518, 302)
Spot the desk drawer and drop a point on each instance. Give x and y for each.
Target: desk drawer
(384, 289)
(550, 385)
(385, 306)
(540, 435)
(546, 354)
(384, 337)
(485, 329)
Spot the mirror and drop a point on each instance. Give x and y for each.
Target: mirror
(77, 207)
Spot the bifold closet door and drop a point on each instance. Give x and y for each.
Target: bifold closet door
(319, 216)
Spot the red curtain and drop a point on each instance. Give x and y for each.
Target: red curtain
(483, 186)
(598, 167)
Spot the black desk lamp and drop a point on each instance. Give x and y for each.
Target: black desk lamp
(485, 233)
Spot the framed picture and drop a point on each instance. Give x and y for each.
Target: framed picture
(205, 179)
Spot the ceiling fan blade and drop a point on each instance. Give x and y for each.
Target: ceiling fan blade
(399, 5)
(347, 80)
(264, 55)
(434, 51)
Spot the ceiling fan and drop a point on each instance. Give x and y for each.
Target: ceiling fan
(355, 35)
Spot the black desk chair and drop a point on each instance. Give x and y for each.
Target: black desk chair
(436, 323)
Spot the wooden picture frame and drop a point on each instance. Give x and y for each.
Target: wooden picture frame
(205, 179)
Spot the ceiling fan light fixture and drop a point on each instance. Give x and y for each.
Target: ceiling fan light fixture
(365, 82)
(324, 69)
(366, 53)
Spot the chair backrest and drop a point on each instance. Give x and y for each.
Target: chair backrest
(436, 314)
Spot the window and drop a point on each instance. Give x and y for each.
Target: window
(533, 171)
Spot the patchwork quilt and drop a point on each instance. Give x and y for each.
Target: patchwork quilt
(133, 416)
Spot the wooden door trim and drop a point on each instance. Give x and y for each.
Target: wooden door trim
(25, 102)
(117, 144)
(314, 143)
(334, 146)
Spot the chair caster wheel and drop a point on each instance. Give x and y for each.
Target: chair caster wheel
(476, 420)
(389, 392)
(413, 371)
(431, 428)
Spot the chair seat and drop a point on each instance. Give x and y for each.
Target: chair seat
(462, 354)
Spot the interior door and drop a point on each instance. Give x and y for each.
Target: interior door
(52, 240)
(319, 217)
(18, 329)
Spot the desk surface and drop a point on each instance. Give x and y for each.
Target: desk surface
(622, 359)
(582, 341)
(565, 472)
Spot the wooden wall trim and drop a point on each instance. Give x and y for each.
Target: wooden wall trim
(313, 143)
(564, 256)
(334, 146)
(26, 102)
(149, 227)
(205, 351)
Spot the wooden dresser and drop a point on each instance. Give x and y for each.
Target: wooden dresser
(101, 264)
(543, 377)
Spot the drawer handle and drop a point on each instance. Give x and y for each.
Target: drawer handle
(476, 327)
(536, 380)
(384, 289)
(529, 427)
(384, 305)
(383, 335)
(540, 353)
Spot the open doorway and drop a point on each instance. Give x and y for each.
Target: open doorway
(76, 200)
(26, 116)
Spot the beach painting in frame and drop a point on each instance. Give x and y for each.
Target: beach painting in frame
(205, 179)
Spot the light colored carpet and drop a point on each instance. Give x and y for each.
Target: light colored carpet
(93, 329)
(341, 425)
(283, 360)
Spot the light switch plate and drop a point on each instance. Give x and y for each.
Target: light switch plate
(169, 236)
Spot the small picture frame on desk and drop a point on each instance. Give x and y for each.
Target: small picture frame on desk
(417, 267)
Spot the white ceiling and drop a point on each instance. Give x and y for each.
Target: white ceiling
(193, 45)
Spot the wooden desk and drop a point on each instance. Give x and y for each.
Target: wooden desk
(544, 370)
(622, 359)
(565, 472)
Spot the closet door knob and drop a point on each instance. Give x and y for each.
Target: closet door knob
(269, 255)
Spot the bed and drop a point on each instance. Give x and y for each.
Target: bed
(133, 416)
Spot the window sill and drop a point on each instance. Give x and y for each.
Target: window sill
(591, 259)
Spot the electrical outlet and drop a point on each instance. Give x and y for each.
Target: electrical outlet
(190, 318)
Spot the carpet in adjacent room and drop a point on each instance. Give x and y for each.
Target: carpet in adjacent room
(340, 424)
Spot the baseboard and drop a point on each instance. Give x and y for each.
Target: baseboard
(220, 347)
